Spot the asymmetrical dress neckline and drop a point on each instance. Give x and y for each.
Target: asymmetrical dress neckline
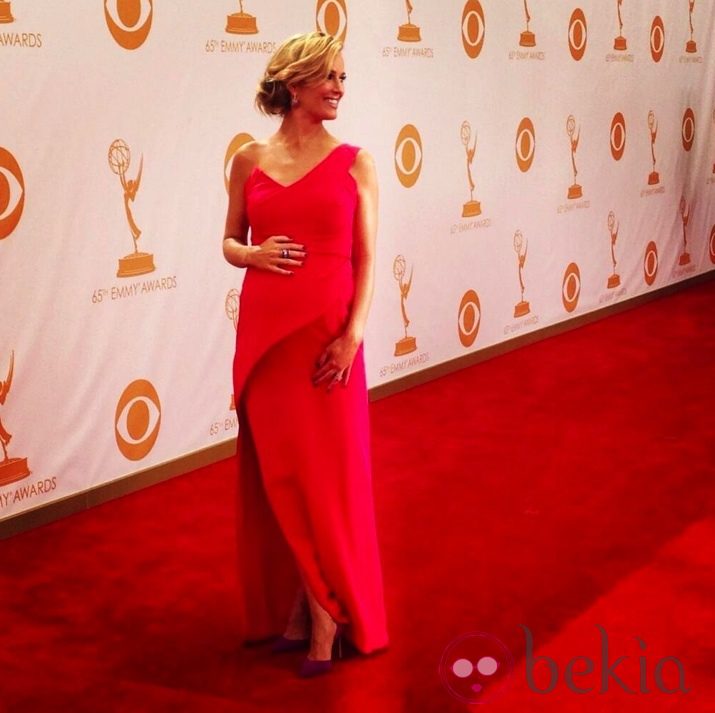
(307, 174)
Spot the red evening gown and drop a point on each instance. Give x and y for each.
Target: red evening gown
(305, 485)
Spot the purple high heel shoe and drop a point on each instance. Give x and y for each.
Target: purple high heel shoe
(283, 645)
(310, 667)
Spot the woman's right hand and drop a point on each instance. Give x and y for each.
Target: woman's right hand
(269, 255)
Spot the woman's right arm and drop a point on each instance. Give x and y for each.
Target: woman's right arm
(236, 249)
(269, 254)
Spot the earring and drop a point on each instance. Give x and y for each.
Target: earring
(294, 100)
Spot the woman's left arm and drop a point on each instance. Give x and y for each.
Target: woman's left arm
(336, 361)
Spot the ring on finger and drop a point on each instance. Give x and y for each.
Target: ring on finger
(285, 253)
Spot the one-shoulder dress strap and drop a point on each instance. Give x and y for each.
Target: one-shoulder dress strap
(351, 151)
(345, 156)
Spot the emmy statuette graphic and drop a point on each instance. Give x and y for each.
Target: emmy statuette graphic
(521, 308)
(620, 42)
(5, 12)
(11, 469)
(241, 23)
(575, 190)
(231, 305)
(406, 344)
(614, 280)
(691, 46)
(527, 37)
(684, 258)
(471, 207)
(654, 177)
(409, 32)
(135, 263)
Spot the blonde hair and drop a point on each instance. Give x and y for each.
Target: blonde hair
(302, 59)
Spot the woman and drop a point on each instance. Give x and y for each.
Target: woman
(307, 542)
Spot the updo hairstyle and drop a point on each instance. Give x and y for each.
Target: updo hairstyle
(302, 59)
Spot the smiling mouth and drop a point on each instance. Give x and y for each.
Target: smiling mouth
(333, 102)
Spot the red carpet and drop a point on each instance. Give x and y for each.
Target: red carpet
(566, 486)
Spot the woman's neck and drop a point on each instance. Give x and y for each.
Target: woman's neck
(298, 131)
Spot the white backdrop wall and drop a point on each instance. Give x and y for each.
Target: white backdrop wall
(105, 374)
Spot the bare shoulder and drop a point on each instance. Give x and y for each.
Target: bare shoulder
(247, 156)
(363, 170)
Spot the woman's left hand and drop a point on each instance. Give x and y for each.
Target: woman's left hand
(334, 364)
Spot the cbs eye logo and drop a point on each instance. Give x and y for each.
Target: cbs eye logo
(650, 263)
(469, 318)
(657, 39)
(475, 666)
(618, 136)
(129, 21)
(236, 142)
(578, 34)
(525, 145)
(137, 420)
(571, 287)
(331, 16)
(408, 155)
(688, 129)
(473, 28)
(12, 193)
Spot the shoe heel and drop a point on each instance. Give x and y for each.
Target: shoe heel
(339, 640)
(310, 668)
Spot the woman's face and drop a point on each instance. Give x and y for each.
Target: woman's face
(321, 100)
